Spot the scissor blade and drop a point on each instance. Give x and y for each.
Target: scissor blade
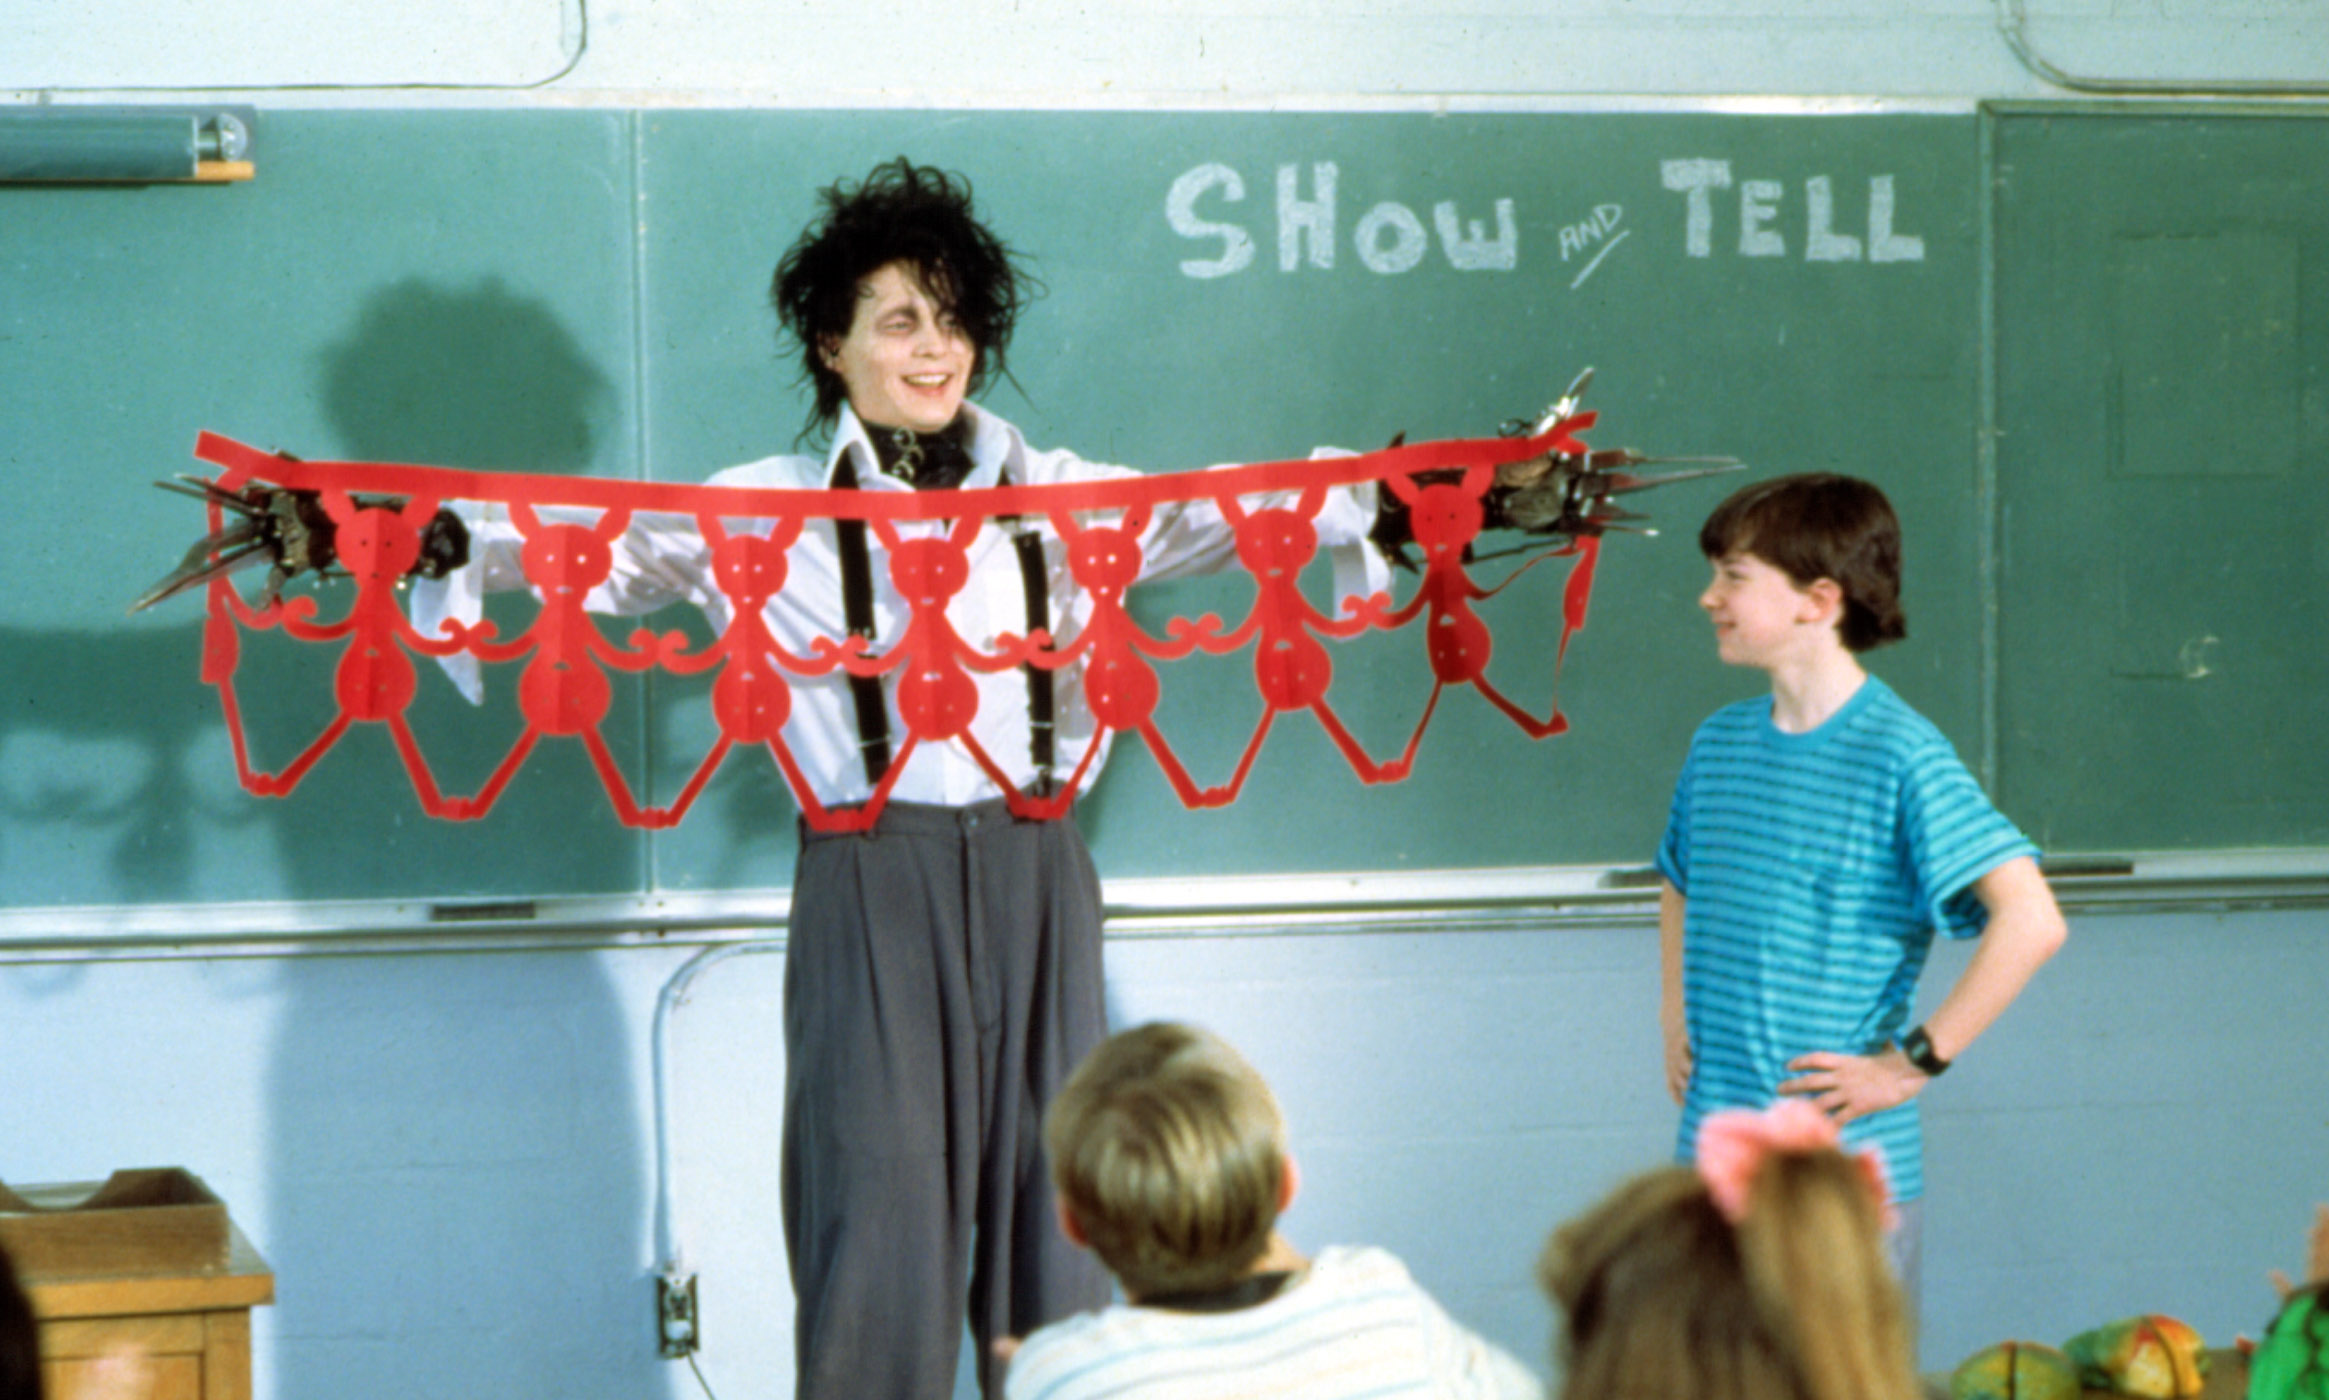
(242, 532)
(1563, 406)
(1619, 482)
(1575, 393)
(200, 569)
(209, 492)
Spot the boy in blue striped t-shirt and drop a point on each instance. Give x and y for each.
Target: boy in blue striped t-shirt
(1819, 837)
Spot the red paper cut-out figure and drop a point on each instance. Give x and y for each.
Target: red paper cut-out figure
(374, 681)
(1119, 686)
(1291, 667)
(935, 695)
(1445, 517)
(751, 700)
(562, 691)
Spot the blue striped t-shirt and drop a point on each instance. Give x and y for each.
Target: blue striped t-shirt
(1816, 868)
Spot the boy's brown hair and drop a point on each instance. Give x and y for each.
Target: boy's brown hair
(1168, 1149)
(1816, 525)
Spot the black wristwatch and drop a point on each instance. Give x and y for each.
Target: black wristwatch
(1919, 1048)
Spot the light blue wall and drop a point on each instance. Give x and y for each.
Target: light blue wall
(1048, 52)
(443, 1157)
(449, 1157)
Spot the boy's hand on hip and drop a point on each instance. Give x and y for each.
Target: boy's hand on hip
(1846, 1087)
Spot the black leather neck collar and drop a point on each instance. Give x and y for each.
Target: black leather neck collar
(937, 461)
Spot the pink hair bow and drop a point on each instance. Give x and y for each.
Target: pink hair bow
(1733, 1143)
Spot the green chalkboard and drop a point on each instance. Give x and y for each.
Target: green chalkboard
(439, 286)
(585, 291)
(2163, 389)
(1784, 361)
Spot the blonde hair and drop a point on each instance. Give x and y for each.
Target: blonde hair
(1168, 1149)
(1664, 1299)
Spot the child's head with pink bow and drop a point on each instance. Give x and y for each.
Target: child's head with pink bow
(1760, 1274)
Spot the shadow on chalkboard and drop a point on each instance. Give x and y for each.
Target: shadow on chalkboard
(467, 1119)
(101, 751)
(474, 377)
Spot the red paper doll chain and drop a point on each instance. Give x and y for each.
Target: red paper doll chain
(564, 691)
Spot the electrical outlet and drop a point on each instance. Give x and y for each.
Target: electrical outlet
(676, 1316)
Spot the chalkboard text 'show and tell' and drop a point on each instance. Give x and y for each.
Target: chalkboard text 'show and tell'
(1763, 209)
(1392, 237)
(1388, 238)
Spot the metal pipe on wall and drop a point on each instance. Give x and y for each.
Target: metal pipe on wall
(122, 145)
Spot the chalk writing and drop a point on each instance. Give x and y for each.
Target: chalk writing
(1591, 230)
(1181, 212)
(1306, 222)
(1763, 208)
(1392, 238)
(1597, 232)
(1407, 240)
(1389, 239)
(1475, 250)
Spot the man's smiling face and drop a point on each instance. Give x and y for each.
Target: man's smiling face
(905, 361)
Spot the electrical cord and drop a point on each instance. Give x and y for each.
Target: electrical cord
(699, 1377)
(2011, 22)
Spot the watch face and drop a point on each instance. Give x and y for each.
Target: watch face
(1919, 1048)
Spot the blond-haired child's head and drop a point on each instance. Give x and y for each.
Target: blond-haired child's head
(1169, 1157)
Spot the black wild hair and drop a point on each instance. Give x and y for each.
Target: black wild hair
(899, 213)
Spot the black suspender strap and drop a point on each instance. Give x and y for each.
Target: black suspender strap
(873, 720)
(1035, 581)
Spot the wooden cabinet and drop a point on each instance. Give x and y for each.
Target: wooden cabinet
(192, 1322)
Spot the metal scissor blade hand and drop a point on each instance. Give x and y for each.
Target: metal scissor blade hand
(1606, 518)
(1603, 459)
(1570, 397)
(1607, 482)
(231, 537)
(199, 568)
(209, 492)
(1559, 409)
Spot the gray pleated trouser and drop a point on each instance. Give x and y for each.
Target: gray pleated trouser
(942, 978)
